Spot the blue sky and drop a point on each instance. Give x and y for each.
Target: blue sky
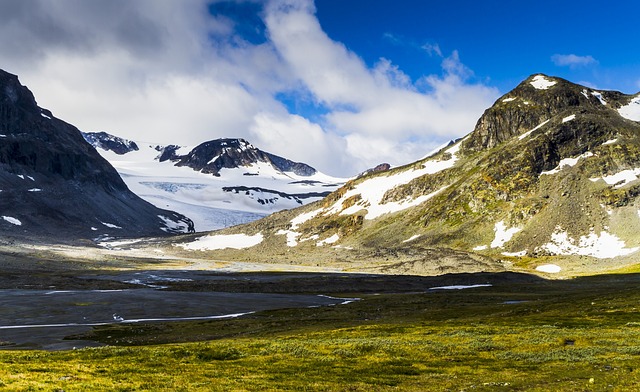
(340, 84)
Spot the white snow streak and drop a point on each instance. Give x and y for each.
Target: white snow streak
(111, 225)
(567, 162)
(12, 220)
(534, 129)
(503, 235)
(542, 83)
(413, 237)
(508, 99)
(223, 241)
(569, 118)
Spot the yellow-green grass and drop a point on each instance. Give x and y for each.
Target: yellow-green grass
(577, 335)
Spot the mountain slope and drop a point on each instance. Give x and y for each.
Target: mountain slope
(53, 184)
(549, 174)
(218, 183)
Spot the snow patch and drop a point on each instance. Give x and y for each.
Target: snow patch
(612, 141)
(12, 220)
(534, 129)
(567, 162)
(549, 268)
(631, 111)
(542, 83)
(292, 237)
(20, 175)
(602, 246)
(334, 238)
(503, 235)
(569, 118)
(508, 99)
(481, 247)
(117, 244)
(45, 116)
(35, 190)
(599, 96)
(620, 179)
(223, 241)
(304, 217)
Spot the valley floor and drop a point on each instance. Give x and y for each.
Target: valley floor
(489, 332)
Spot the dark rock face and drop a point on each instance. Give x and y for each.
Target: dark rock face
(56, 184)
(109, 142)
(212, 156)
(379, 168)
(526, 107)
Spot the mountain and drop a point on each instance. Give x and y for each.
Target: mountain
(547, 180)
(218, 183)
(54, 185)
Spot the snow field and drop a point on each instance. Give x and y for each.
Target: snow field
(567, 162)
(601, 246)
(503, 234)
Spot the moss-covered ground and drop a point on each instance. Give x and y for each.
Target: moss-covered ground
(573, 335)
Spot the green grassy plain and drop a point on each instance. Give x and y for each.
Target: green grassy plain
(574, 335)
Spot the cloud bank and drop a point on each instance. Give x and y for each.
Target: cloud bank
(171, 71)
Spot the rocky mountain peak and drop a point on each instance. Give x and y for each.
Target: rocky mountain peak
(212, 156)
(537, 99)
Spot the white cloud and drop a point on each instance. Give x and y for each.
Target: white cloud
(169, 72)
(572, 60)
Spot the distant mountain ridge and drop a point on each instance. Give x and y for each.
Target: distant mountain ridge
(551, 173)
(54, 185)
(218, 183)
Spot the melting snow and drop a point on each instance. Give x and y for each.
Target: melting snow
(508, 99)
(12, 220)
(534, 129)
(610, 142)
(223, 241)
(631, 111)
(329, 240)
(568, 162)
(620, 179)
(549, 268)
(460, 287)
(569, 118)
(603, 246)
(503, 235)
(480, 247)
(542, 83)
(302, 218)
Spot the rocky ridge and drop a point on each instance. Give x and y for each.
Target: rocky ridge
(550, 174)
(55, 185)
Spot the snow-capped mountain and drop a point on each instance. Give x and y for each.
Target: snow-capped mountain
(551, 172)
(54, 185)
(218, 183)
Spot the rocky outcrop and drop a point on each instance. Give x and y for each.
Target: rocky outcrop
(54, 184)
(109, 142)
